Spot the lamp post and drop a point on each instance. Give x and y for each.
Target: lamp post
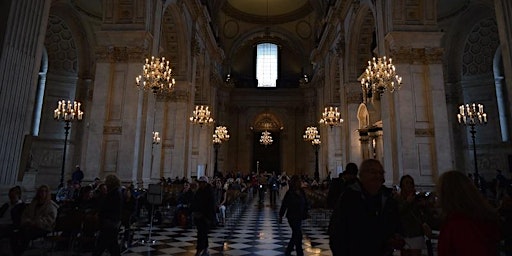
(220, 135)
(68, 112)
(472, 115)
(316, 145)
(311, 134)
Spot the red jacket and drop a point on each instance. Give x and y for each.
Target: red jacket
(462, 235)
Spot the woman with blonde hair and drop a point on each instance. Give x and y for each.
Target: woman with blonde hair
(470, 224)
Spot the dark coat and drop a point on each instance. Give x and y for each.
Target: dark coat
(203, 204)
(294, 205)
(363, 224)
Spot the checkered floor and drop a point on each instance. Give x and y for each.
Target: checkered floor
(251, 230)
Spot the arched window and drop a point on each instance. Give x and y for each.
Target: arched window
(266, 65)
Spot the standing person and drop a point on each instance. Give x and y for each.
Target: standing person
(37, 220)
(470, 223)
(295, 206)
(273, 184)
(339, 184)
(220, 202)
(203, 212)
(365, 220)
(413, 217)
(110, 218)
(77, 175)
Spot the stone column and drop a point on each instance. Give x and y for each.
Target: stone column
(22, 48)
(504, 19)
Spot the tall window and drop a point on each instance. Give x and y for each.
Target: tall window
(266, 65)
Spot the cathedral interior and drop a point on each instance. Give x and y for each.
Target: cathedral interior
(445, 54)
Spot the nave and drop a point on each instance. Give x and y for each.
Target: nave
(252, 229)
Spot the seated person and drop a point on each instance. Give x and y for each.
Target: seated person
(37, 220)
(182, 208)
(66, 193)
(85, 201)
(10, 215)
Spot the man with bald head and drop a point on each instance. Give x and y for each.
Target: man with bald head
(365, 220)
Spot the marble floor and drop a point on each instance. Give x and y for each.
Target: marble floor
(251, 229)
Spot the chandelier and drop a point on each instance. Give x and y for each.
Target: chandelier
(68, 111)
(156, 138)
(316, 141)
(380, 76)
(156, 76)
(310, 133)
(470, 115)
(220, 135)
(266, 138)
(331, 116)
(201, 115)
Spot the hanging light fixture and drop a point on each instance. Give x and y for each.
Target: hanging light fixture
(266, 138)
(156, 76)
(201, 116)
(156, 138)
(331, 116)
(220, 134)
(310, 133)
(380, 76)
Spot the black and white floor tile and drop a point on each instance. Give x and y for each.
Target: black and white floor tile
(252, 230)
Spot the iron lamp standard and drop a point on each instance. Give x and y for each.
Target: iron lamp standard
(316, 145)
(472, 115)
(220, 135)
(68, 112)
(311, 134)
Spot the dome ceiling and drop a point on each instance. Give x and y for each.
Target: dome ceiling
(259, 7)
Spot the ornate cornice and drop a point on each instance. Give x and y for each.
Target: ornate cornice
(115, 130)
(120, 54)
(417, 55)
(262, 19)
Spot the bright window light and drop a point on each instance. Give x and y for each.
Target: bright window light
(266, 65)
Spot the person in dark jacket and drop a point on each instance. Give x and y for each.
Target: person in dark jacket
(110, 218)
(295, 207)
(203, 212)
(366, 219)
(338, 185)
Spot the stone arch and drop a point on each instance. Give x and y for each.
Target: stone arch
(455, 39)
(360, 41)
(267, 120)
(363, 116)
(174, 38)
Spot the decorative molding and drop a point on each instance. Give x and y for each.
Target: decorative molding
(114, 130)
(298, 13)
(417, 55)
(120, 54)
(424, 132)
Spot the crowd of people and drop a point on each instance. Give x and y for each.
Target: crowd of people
(400, 218)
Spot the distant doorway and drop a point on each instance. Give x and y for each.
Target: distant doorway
(266, 158)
